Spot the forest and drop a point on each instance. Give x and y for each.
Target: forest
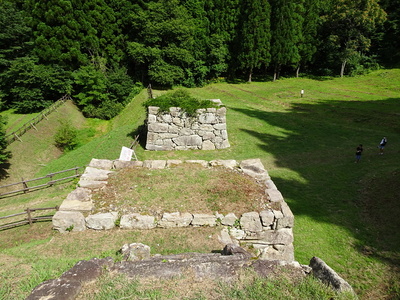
(101, 52)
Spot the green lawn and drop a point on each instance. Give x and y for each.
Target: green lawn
(345, 213)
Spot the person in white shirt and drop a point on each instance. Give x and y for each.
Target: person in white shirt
(382, 145)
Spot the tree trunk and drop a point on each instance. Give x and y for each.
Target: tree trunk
(297, 71)
(276, 72)
(250, 73)
(342, 68)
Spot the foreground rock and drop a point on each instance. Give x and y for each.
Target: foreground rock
(225, 267)
(137, 264)
(135, 251)
(327, 275)
(68, 286)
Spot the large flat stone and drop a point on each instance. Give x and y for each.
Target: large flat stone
(102, 221)
(277, 252)
(251, 222)
(120, 164)
(68, 220)
(91, 184)
(254, 168)
(137, 221)
(76, 205)
(204, 220)
(203, 163)
(176, 219)
(96, 174)
(101, 164)
(155, 164)
(56, 289)
(229, 219)
(227, 163)
(80, 194)
(282, 236)
(274, 195)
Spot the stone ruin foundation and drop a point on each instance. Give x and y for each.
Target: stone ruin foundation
(175, 130)
(269, 231)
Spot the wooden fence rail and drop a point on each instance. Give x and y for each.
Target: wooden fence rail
(51, 181)
(30, 219)
(16, 135)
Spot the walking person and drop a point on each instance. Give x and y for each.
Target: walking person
(359, 151)
(382, 145)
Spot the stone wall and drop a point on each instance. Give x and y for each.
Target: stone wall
(175, 130)
(270, 231)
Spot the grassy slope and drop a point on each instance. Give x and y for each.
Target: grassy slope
(35, 152)
(343, 210)
(308, 147)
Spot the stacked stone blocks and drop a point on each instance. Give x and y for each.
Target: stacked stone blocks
(176, 130)
(270, 231)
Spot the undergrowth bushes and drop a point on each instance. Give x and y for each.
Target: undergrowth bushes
(182, 99)
(66, 136)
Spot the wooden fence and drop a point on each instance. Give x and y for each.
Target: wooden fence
(30, 217)
(48, 180)
(16, 135)
(150, 92)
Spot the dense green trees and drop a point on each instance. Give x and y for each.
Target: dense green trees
(307, 42)
(253, 36)
(14, 33)
(70, 33)
(97, 50)
(387, 40)
(164, 46)
(286, 33)
(28, 86)
(48, 47)
(350, 24)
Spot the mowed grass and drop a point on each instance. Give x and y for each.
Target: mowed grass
(345, 213)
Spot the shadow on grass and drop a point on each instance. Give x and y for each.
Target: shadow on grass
(4, 167)
(141, 134)
(317, 142)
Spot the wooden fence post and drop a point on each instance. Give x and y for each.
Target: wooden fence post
(150, 91)
(28, 211)
(51, 178)
(17, 137)
(25, 185)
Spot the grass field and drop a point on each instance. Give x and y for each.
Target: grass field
(345, 213)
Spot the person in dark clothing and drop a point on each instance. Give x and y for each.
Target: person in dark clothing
(359, 151)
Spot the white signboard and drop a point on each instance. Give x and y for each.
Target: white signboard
(126, 154)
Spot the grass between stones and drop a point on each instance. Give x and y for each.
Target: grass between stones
(184, 188)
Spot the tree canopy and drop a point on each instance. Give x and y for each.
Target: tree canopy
(100, 51)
